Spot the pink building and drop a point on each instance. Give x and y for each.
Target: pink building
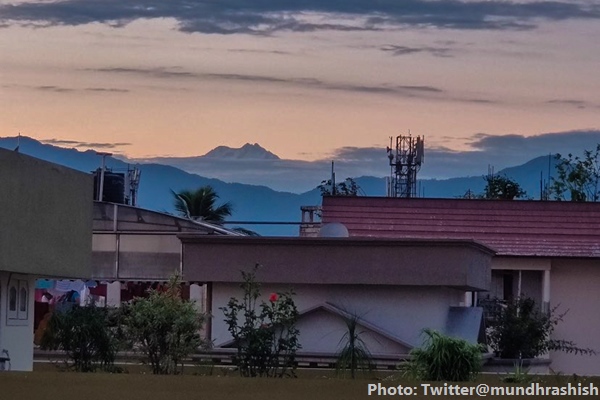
(546, 250)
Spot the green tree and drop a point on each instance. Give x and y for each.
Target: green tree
(89, 336)
(499, 187)
(165, 328)
(265, 334)
(522, 330)
(200, 204)
(578, 179)
(349, 187)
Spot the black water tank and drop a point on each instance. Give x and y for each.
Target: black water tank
(114, 186)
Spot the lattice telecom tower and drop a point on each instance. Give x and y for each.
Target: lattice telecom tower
(405, 162)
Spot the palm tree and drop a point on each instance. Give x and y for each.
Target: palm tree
(200, 204)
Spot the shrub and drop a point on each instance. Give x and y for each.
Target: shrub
(354, 354)
(265, 334)
(522, 330)
(165, 328)
(444, 358)
(88, 335)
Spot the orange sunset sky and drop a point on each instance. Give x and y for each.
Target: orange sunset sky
(178, 78)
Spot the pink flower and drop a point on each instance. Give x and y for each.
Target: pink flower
(273, 297)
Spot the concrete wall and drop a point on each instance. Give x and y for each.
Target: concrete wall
(575, 286)
(521, 263)
(400, 311)
(347, 261)
(45, 217)
(329, 337)
(16, 329)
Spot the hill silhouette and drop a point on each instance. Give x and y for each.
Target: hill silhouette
(261, 203)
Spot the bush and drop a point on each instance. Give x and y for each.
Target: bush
(265, 334)
(522, 330)
(354, 354)
(88, 335)
(165, 328)
(444, 358)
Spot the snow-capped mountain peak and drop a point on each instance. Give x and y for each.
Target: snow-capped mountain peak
(246, 152)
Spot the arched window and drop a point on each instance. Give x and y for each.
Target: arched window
(12, 299)
(12, 302)
(23, 300)
(18, 302)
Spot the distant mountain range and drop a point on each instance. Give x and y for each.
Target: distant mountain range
(246, 152)
(261, 203)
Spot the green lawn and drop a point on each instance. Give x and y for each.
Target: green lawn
(75, 386)
(47, 383)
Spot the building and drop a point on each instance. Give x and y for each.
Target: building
(134, 246)
(396, 287)
(549, 251)
(45, 231)
(133, 249)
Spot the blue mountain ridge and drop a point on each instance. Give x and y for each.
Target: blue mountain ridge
(260, 203)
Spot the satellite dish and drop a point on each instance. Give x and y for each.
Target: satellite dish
(334, 230)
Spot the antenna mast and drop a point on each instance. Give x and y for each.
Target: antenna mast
(405, 162)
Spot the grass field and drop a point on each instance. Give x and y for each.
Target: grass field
(47, 383)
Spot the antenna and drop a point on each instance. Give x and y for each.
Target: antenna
(101, 189)
(542, 185)
(333, 191)
(545, 184)
(133, 182)
(405, 161)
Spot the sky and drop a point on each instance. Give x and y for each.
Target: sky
(310, 80)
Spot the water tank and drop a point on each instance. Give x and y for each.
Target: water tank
(114, 186)
(334, 230)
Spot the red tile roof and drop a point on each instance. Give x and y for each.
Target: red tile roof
(512, 228)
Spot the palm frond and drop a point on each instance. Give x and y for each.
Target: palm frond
(201, 204)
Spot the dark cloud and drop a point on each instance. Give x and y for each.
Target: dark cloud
(54, 89)
(397, 50)
(59, 89)
(264, 17)
(360, 154)
(479, 101)
(174, 72)
(516, 145)
(405, 91)
(256, 51)
(109, 90)
(501, 151)
(78, 144)
(580, 104)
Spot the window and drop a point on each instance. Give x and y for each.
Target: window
(18, 302)
(23, 299)
(12, 302)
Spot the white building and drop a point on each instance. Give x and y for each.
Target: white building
(45, 231)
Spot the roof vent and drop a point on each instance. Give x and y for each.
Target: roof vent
(333, 229)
